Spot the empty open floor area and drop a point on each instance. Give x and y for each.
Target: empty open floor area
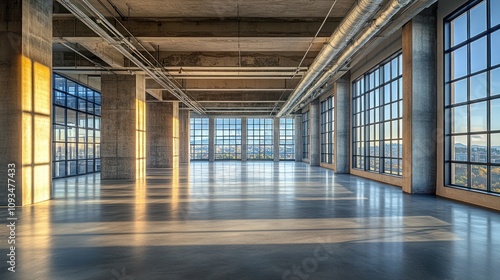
(254, 220)
(232, 139)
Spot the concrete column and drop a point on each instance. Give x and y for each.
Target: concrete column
(276, 139)
(244, 134)
(184, 137)
(211, 139)
(314, 129)
(123, 130)
(342, 147)
(163, 135)
(419, 104)
(298, 138)
(25, 109)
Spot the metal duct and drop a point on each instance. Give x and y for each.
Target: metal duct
(377, 25)
(348, 28)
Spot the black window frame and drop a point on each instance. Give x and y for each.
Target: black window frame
(469, 156)
(327, 130)
(377, 106)
(199, 142)
(81, 140)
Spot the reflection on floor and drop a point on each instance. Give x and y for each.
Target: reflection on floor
(255, 220)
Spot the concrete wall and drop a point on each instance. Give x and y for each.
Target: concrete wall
(184, 135)
(298, 138)
(473, 197)
(26, 91)
(342, 148)
(163, 134)
(419, 103)
(121, 138)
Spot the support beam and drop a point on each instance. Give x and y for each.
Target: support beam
(123, 131)
(163, 135)
(99, 48)
(209, 27)
(276, 139)
(184, 136)
(25, 109)
(419, 99)
(298, 138)
(314, 125)
(342, 143)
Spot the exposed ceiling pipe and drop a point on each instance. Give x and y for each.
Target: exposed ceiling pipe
(348, 28)
(125, 47)
(394, 7)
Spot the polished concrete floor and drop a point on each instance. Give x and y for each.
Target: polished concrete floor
(255, 220)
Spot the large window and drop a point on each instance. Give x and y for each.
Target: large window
(260, 138)
(287, 139)
(199, 140)
(227, 138)
(472, 97)
(305, 135)
(76, 127)
(377, 119)
(327, 130)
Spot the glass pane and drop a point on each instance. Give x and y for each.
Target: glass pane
(495, 114)
(459, 63)
(82, 166)
(82, 135)
(71, 153)
(494, 8)
(495, 177)
(459, 30)
(59, 116)
(479, 177)
(90, 166)
(90, 136)
(97, 123)
(82, 105)
(459, 174)
(90, 95)
(59, 151)
(479, 148)
(97, 151)
(82, 151)
(71, 168)
(459, 119)
(71, 101)
(478, 19)
(71, 87)
(82, 120)
(59, 133)
(59, 98)
(495, 82)
(71, 134)
(60, 169)
(59, 83)
(460, 149)
(495, 42)
(459, 91)
(71, 118)
(97, 100)
(90, 121)
(478, 86)
(478, 53)
(478, 117)
(495, 148)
